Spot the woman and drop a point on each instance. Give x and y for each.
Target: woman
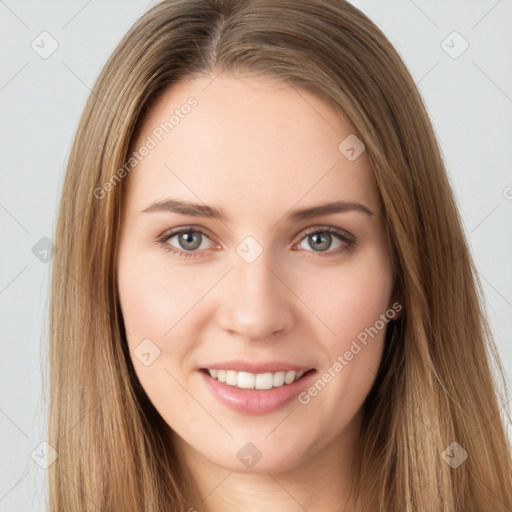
(263, 296)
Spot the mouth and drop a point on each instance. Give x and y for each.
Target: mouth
(256, 393)
(256, 381)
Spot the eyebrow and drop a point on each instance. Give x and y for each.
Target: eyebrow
(210, 212)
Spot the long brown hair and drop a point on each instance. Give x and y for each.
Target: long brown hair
(437, 383)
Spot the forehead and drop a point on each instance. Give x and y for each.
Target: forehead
(254, 140)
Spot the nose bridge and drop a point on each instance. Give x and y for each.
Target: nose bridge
(256, 303)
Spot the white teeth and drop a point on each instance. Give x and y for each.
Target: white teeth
(278, 379)
(264, 381)
(247, 380)
(231, 377)
(289, 377)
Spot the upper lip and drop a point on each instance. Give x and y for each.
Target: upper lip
(241, 365)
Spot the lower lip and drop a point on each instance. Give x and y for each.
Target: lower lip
(252, 401)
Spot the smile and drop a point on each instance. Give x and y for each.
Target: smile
(260, 381)
(256, 393)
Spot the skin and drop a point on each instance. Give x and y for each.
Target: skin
(257, 149)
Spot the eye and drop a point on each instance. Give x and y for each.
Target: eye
(321, 239)
(189, 240)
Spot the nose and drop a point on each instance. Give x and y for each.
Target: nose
(255, 300)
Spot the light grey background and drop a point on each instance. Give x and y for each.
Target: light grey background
(469, 99)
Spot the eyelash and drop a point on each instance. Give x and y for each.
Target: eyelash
(165, 237)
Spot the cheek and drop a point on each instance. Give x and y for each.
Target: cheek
(352, 303)
(349, 299)
(153, 296)
(156, 304)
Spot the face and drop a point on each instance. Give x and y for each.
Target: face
(244, 284)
